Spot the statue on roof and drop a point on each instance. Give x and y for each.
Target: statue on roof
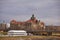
(32, 17)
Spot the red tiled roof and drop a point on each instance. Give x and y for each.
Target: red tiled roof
(32, 21)
(13, 21)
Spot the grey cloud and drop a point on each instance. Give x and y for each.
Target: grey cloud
(17, 9)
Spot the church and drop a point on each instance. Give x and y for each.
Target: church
(30, 24)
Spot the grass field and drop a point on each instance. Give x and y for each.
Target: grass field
(31, 38)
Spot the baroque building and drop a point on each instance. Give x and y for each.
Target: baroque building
(31, 24)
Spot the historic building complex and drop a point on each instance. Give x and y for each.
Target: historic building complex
(31, 24)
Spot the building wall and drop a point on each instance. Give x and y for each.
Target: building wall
(53, 28)
(31, 24)
(2, 27)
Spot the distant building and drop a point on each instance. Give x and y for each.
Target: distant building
(31, 24)
(2, 26)
(52, 28)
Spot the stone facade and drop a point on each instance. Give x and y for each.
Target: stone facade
(31, 24)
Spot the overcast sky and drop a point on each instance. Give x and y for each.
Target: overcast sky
(47, 11)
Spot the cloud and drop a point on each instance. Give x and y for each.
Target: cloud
(46, 10)
(51, 21)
